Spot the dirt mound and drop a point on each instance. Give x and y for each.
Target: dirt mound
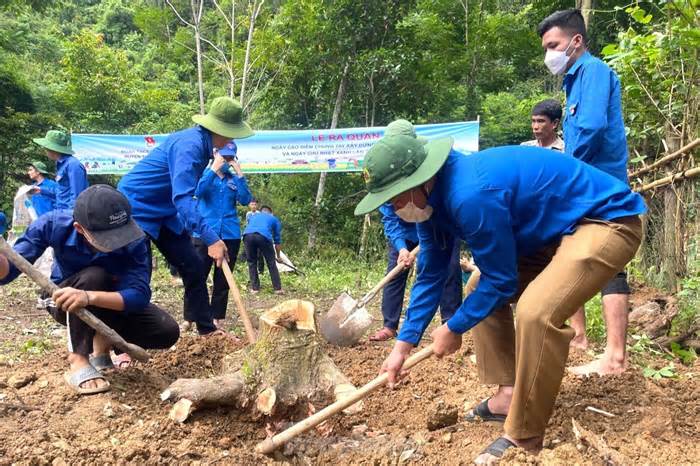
(654, 422)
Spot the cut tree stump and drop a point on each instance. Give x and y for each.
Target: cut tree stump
(279, 375)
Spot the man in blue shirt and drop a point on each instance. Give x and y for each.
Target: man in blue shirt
(3, 223)
(44, 193)
(220, 189)
(544, 229)
(102, 263)
(594, 133)
(263, 235)
(71, 177)
(161, 190)
(402, 237)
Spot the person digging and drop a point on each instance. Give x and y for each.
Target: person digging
(102, 263)
(545, 229)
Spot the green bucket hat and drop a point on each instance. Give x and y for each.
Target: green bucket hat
(57, 141)
(405, 128)
(395, 164)
(225, 118)
(40, 167)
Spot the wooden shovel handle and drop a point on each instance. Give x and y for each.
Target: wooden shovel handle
(86, 316)
(393, 273)
(249, 330)
(272, 443)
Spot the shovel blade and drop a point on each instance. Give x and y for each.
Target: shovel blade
(344, 324)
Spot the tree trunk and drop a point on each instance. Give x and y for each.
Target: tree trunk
(672, 236)
(255, 10)
(313, 227)
(197, 17)
(586, 7)
(284, 371)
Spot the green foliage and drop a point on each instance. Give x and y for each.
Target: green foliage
(688, 356)
(666, 372)
(35, 347)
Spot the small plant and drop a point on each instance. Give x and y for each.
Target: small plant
(687, 356)
(35, 347)
(666, 372)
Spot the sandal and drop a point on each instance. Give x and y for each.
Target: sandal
(102, 362)
(123, 361)
(83, 375)
(384, 334)
(482, 413)
(497, 448)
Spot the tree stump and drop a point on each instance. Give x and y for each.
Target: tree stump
(284, 371)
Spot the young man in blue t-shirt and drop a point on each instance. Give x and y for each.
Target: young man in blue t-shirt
(263, 236)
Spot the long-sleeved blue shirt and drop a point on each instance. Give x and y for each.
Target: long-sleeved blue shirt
(3, 223)
(45, 200)
(162, 185)
(396, 230)
(130, 265)
(593, 127)
(266, 224)
(217, 198)
(504, 202)
(71, 180)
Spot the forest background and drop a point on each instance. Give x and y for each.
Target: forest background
(146, 66)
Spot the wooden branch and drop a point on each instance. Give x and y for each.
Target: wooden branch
(609, 455)
(86, 316)
(668, 158)
(665, 342)
(691, 173)
(187, 23)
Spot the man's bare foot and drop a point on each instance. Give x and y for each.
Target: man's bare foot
(531, 445)
(579, 343)
(220, 324)
(604, 365)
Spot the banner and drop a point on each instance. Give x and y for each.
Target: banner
(304, 151)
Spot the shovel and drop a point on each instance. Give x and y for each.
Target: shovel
(348, 320)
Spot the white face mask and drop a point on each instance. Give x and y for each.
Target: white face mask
(556, 60)
(413, 214)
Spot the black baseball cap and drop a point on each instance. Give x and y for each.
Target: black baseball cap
(106, 215)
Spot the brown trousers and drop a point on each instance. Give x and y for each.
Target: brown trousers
(553, 284)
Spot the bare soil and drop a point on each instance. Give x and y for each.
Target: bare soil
(655, 422)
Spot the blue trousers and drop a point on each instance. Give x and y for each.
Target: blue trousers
(392, 297)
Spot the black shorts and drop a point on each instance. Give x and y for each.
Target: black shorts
(618, 285)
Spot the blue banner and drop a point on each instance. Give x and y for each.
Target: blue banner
(306, 151)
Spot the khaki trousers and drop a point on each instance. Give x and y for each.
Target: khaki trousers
(553, 283)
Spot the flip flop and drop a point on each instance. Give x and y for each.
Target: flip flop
(83, 375)
(482, 413)
(102, 362)
(498, 447)
(384, 334)
(123, 361)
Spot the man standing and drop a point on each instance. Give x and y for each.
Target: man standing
(252, 210)
(263, 235)
(546, 230)
(44, 192)
(221, 188)
(161, 190)
(544, 120)
(593, 133)
(102, 264)
(71, 177)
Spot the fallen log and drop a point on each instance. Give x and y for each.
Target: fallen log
(280, 374)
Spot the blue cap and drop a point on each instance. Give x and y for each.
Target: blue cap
(229, 150)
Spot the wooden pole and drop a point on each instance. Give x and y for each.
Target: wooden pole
(249, 330)
(691, 173)
(86, 316)
(269, 445)
(673, 156)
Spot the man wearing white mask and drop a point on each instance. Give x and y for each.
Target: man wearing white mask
(593, 133)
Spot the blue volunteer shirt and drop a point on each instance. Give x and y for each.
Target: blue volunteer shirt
(3, 223)
(267, 225)
(593, 127)
(45, 200)
(396, 230)
(162, 185)
(504, 202)
(130, 265)
(71, 180)
(217, 198)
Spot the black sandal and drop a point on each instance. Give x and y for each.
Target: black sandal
(482, 413)
(498, 447)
